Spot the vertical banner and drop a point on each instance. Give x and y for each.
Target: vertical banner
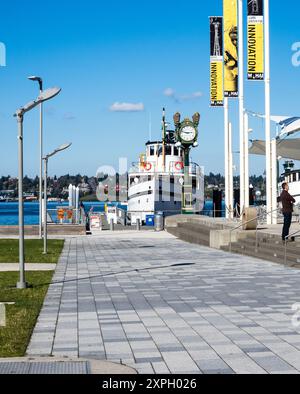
(231, 66)
(216, 62)
(255, 40)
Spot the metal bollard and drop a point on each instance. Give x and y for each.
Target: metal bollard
(112, 225)
(138, 224)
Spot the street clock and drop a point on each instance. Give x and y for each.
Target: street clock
(187, 132)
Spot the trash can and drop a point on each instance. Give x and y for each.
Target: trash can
(150, 220)
(250, 219)
(159, 221)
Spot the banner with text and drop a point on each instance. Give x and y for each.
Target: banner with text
(216, 62)
(231, 66)
(255, 40)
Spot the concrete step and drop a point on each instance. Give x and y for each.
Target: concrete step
(265, 254)
(195, 227)
(190, 236)
(276, 247)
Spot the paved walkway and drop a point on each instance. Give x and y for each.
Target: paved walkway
(222, 314)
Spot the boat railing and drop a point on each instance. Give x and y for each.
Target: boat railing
(175, 167)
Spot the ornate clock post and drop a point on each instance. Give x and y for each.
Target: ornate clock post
(187, 137)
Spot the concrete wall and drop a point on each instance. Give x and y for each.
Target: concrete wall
(52, 230)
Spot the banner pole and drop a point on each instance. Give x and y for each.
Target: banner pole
(274, 179)
(231, 202)
(226, 138)
(241, 106)
(246, 139)
(268, 112)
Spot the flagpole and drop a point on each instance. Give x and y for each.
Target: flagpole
(268, 112)
(241, 105)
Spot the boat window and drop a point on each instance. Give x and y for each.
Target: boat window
(159, 150)
(168, 150)
(152, 150)
(294, 177)
(176, 151)
(134, 180)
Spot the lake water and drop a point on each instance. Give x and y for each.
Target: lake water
(9, 211)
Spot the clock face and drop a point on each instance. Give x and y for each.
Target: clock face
(188, 134)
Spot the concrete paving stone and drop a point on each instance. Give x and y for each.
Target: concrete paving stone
(242, 364)
(143, 368)
(233, 304)
(270, 362)
(180, 362)
(160, 368)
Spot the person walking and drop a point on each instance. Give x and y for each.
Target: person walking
(288, 202)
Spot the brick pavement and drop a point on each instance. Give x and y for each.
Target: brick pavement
(223, 314)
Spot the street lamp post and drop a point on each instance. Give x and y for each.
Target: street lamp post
(22, 283)
(47, 95)
(46, 159)
(40, 82)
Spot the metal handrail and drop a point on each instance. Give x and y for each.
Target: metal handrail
(286, 242)
(250, 221)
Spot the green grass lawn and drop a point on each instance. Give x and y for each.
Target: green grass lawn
(21, 317)
(9, 251)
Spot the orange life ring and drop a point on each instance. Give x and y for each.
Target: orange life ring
(148, 166)
(179, 166)
(60, 214)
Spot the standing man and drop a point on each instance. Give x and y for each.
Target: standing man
(287, 209)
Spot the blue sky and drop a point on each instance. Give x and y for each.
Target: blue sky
(101, 53)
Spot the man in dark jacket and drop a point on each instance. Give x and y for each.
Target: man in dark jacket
(287, 209)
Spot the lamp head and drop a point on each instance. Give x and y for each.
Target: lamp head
(177, 118)
(35, 78)
(57, 150)
(49, 94)
(196, 119)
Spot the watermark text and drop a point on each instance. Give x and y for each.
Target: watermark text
(296, 54)
(296, 316)
(2, 54)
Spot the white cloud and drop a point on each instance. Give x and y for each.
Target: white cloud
(171, 93)
(127, 107)
(192, 96)
(69, 116)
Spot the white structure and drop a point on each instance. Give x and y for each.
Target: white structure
(269, 191)
(292, 177)
(156, 183)
(241, 107)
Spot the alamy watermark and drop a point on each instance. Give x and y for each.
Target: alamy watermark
(2, 55)
(296, 54)
(114, 184)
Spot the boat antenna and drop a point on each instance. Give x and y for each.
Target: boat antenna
(150, 126)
